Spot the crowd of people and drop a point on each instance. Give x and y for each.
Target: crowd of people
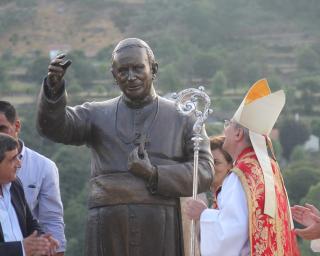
(142, 157)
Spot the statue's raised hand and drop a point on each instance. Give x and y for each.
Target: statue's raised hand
(56, 71)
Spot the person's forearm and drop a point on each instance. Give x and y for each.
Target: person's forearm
(63, 124)
(50, 208)
(50, 114)
(176, 180)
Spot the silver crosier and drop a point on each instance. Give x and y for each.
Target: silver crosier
(195, 101)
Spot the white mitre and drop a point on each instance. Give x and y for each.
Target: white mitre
(258, 112)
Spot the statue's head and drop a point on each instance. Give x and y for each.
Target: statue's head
(134, 68)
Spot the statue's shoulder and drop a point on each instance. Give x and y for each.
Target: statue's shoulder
(168, 106)
(166, 103)
(102, 104)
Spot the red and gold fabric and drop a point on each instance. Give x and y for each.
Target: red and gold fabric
(268, 236)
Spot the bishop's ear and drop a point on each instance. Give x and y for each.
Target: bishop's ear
(239, 133)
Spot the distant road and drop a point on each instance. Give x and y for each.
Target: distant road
(20, 99)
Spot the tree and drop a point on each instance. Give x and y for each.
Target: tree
(74, 169)
(38, 69)
(313, 195)
(298, 154)
(292, 133)
(75, 217)
(82, 69)
(167, 48)
(274, 83)
(168, 79)
(105, 53)
(235, 72)
(315, 127)
(308, 59)
(205, 65)
(219, 83)
(309, 88)
(3, 78)
(298, 178)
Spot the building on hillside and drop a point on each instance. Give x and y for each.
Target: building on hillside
(312, 144)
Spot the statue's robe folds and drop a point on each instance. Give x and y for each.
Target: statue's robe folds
(127, 215)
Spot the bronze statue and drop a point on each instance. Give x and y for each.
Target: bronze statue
(142, 155)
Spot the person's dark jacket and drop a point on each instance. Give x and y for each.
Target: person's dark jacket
(27, 223)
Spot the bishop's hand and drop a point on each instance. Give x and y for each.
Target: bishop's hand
(140, 165)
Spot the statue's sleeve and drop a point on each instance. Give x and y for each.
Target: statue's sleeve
(176, 180)
(60, 123)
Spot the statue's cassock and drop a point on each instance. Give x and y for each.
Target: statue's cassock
(128, 216)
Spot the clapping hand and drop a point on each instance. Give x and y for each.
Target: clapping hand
(54, 244)
(35, 245)
(308, 216)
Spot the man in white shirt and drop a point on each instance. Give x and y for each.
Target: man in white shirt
(40, 178)
(18, 229)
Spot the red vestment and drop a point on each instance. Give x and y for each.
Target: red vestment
(268, 236)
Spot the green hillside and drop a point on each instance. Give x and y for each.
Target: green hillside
(233, 43)
(223, 45)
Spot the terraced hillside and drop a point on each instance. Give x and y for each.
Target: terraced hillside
(57, 25)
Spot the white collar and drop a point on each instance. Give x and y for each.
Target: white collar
(5, 188)
(23, 148)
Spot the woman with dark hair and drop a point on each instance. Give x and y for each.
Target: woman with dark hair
(222, 165)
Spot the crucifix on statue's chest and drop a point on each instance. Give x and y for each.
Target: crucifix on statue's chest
(141, 141)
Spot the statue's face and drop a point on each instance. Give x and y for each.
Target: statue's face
(132, 71)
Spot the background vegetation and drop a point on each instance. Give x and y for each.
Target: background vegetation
(224, 45)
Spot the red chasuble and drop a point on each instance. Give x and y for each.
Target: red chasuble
(268, 236)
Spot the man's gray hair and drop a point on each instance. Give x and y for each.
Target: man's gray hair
(7, 143)
(245, 132)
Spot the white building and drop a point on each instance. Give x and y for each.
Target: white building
(312, 144)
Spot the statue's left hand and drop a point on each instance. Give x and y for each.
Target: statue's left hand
(140, 165)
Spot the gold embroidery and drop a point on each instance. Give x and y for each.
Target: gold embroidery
(268, 236)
